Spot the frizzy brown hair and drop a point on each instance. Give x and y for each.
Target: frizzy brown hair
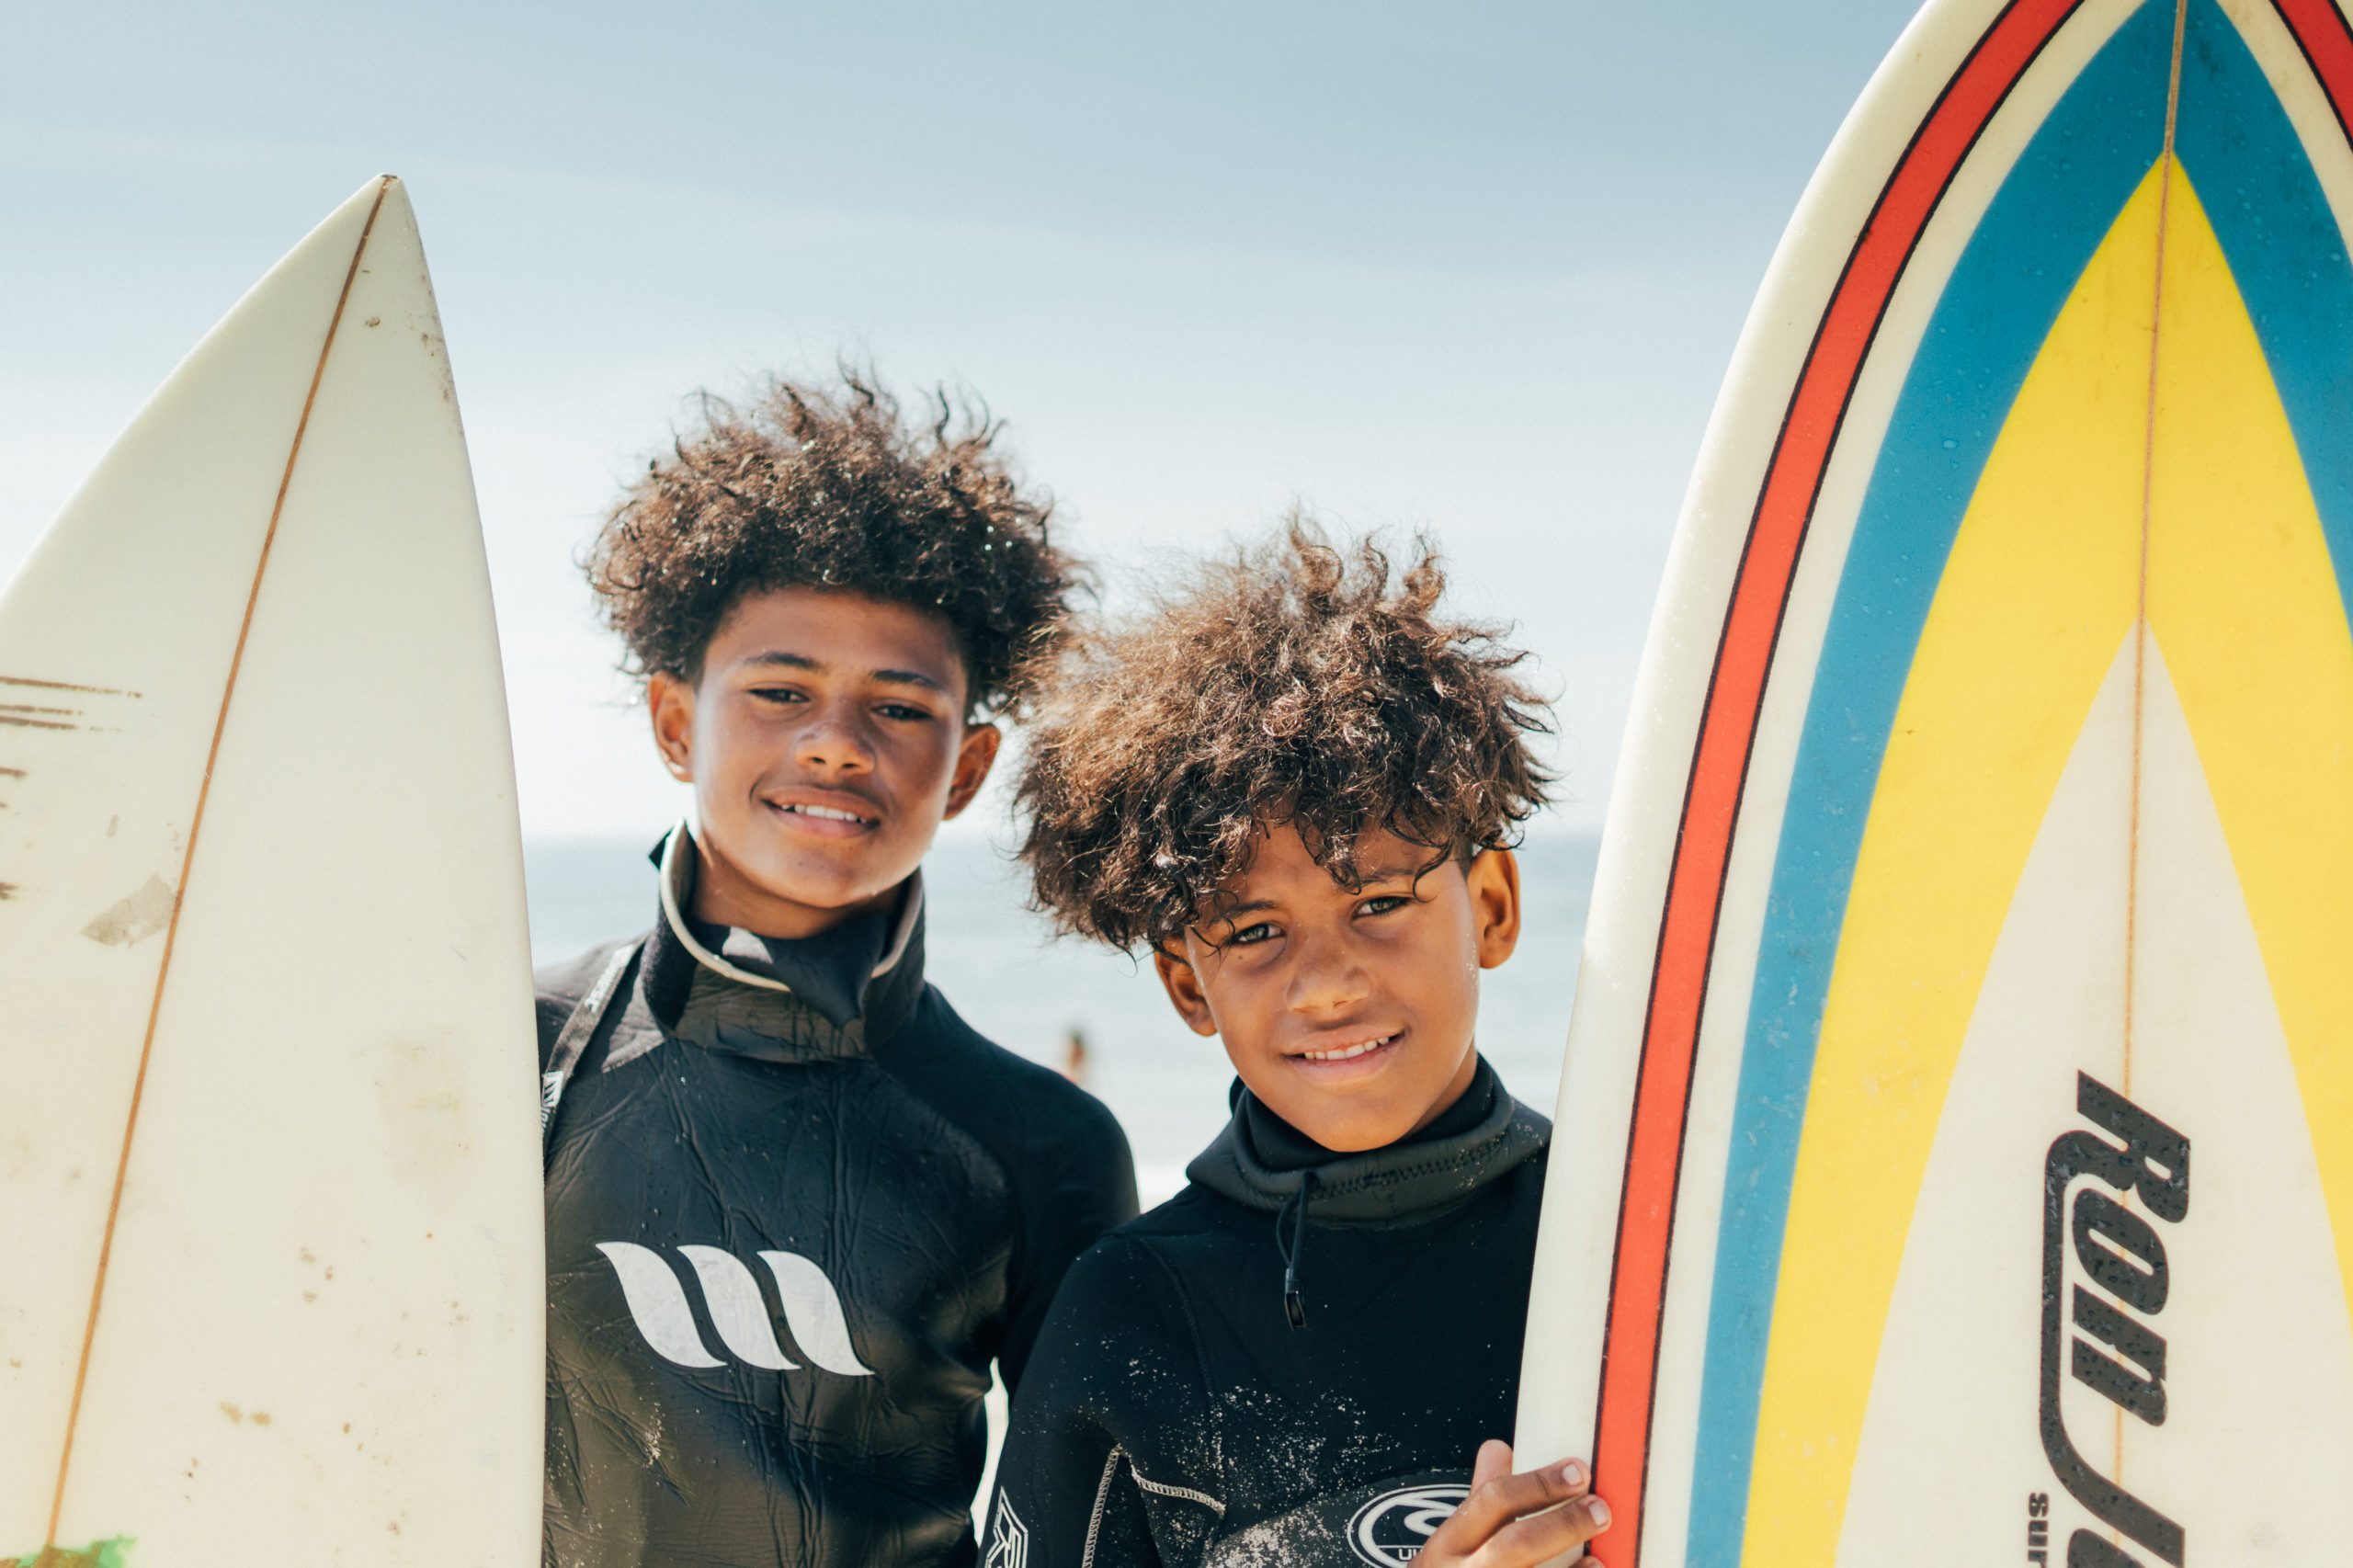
(828, 488)
(1295, 683)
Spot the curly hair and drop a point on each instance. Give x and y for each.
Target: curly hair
(1291, 684)
(827, 487)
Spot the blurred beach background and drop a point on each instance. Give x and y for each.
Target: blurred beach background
(1470, 268)
(1476, 269)
(1004, 971)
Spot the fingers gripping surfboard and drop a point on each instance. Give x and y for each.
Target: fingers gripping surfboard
(1956, 1155)
(269, 1217)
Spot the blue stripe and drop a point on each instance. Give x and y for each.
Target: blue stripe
(2011, 281)
(2286, 252)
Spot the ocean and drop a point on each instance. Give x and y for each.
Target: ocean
(998, 962)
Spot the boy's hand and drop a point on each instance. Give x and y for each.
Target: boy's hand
(1505, 1523)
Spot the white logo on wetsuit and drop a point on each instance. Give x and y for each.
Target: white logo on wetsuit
(1008, 1539)
(1396, 1526)
(813, 1309)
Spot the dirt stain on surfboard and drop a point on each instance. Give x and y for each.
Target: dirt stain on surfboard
(138, 915)
(21, 716)
(428, 1129)
(40, 685)
(22, 711)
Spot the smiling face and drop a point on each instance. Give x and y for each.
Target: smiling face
(826, 742)
(1348, 1014)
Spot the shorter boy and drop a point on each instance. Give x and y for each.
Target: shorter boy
(1295, 783)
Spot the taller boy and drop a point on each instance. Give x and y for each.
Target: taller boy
(796, 1206)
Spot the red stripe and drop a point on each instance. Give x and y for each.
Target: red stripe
(2328, 41)
(1728, 725)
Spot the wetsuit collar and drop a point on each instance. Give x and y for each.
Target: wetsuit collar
(784, 1000)
(1262, 1163)
(679, 865)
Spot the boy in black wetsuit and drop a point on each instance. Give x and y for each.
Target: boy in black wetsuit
(1295, 783)
(796, 1207)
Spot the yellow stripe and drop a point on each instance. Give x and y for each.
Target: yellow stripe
(2038, 592)
(2244, 602)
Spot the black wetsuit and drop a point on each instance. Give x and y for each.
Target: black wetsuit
(1175, 1415)
(788, 1231)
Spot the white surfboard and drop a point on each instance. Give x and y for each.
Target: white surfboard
(1955, 1154)
(270, 1258)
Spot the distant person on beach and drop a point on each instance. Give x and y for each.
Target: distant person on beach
(1295, 781)
(796, 1206)
(1074, 1056)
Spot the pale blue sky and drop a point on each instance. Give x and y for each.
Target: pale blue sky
(1476, 267)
